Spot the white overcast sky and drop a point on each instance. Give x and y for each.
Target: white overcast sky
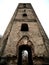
(7, 8)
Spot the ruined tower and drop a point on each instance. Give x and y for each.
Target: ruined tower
(24, 41)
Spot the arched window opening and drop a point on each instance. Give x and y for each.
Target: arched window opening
(24, 27)
(25, 57)
(24, 15)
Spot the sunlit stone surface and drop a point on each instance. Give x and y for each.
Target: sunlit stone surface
(25, 55)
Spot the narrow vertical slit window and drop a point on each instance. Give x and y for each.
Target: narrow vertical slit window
(25, 55)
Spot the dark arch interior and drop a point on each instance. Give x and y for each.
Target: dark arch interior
(24, 27)
(22, 48)
(24, 5)
(24, 15)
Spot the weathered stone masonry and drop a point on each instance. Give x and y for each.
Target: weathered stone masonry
(24, 29)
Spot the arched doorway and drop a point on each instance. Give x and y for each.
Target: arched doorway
(26, 50)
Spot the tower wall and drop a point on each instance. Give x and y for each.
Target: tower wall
(25, 29)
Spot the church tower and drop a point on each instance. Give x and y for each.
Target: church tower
(24, 41)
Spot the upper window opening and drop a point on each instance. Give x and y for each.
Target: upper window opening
(24, 27)
(24, 15)
(24, 5)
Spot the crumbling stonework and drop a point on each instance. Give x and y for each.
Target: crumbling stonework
(24, 31)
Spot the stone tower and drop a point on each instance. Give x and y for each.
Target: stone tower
(24, 41)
